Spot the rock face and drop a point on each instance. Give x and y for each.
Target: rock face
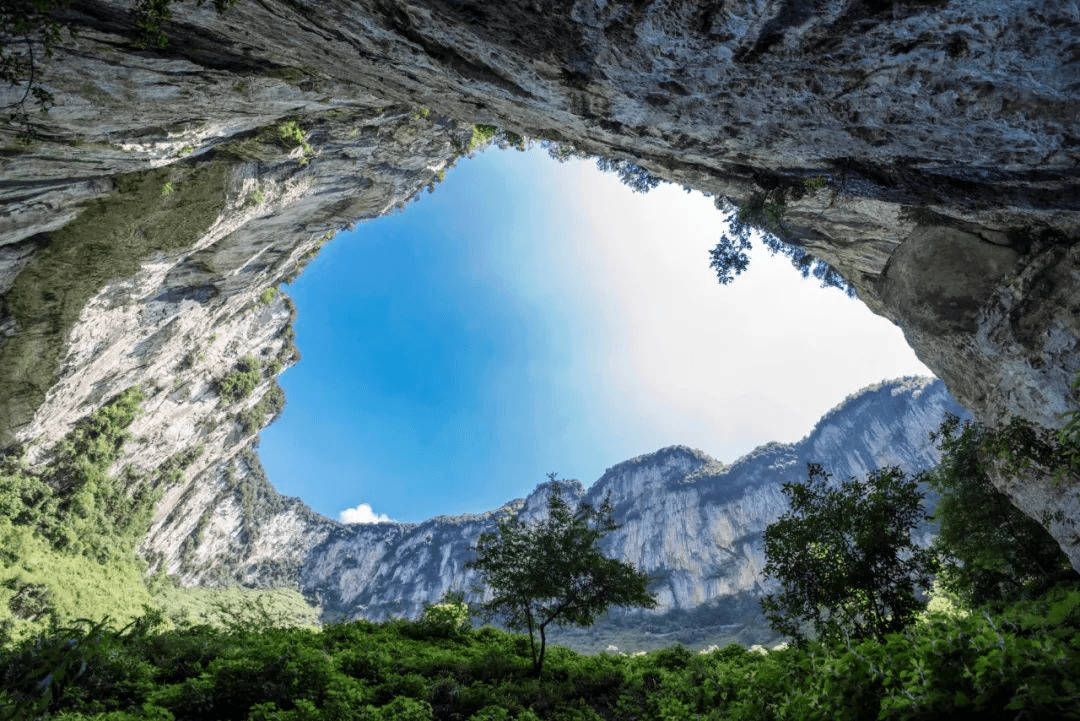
(692, 524)
(926, 149)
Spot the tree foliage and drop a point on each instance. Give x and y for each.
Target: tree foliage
(845, 557)
(551, 571)
(23, 26)
(990, 549)
(151, 15)
(765, 213)
(69, 527)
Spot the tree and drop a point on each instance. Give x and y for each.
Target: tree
(990, 549)
(845, 558)
(551, 571)
(765, 214)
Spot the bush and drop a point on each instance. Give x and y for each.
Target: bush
(239, 383)
(448, 617)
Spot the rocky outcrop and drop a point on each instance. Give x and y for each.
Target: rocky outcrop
(927, 150)
(694, 525)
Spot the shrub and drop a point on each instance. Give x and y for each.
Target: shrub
(239, 384)
(268, 295)
(448, 617)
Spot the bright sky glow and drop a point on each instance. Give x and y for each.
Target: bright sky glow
(530, 317)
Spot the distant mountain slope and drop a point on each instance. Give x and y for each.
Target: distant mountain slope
(690, 522)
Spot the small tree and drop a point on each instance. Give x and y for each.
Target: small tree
(845, 557)
(551, 571)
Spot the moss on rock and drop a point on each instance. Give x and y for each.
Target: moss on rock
(107, 241)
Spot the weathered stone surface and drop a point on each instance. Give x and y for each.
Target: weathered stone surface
(946, 133)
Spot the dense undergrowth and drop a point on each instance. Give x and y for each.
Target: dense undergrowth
(1019, 661)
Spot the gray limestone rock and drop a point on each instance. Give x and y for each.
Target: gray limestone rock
(940, 140)
(694, 525)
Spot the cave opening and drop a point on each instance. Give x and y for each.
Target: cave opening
(532, 316)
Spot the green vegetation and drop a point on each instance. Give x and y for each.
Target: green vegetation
(991, 551)
(551, 571)
(269, 407)
(449, 617)
(764, 212)
(241, 381)
(484, 135)
(151, 15)
(845, 557)
(302, 263)
(291, 135)
(107, 241)
(69, 529)
(266, 144)
(22, 25)
(231, 608)
(268, 295)
(67, 563)
(1019, 662)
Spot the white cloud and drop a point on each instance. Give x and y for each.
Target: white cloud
(363, 514)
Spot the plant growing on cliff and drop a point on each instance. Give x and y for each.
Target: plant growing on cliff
(484, 135)
(292, 136)
(764, 212)
(22, 26)
(253, 419)
(992, 551)
(151, 15)
(845, 558)
(551, 571)
(241, 381)
(69, 527)
(267, 296)
(30, 23)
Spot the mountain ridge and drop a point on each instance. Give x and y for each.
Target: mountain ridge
(691, 523)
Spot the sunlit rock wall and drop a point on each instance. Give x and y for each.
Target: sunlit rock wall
(692, 524)
(939, 139)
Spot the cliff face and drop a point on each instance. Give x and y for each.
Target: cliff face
(692, 524)
(940, 139)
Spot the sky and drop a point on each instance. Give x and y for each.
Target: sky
(532, 317)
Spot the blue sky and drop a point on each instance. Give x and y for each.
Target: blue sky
(530, 317)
